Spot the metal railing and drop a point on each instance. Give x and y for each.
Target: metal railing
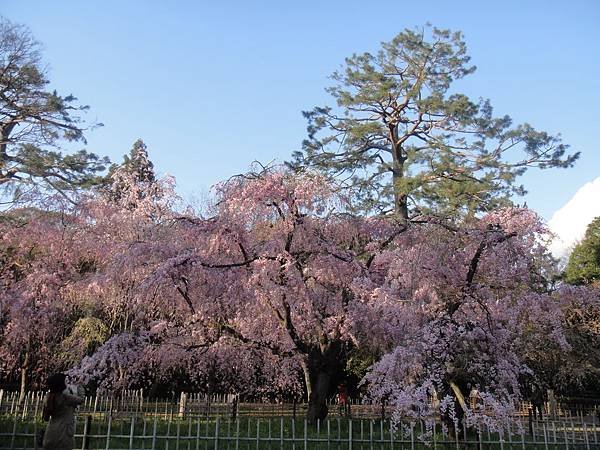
(154, 433)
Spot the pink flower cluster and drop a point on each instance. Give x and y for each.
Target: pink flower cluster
(278, 275)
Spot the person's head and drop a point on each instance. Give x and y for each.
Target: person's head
(57, 383)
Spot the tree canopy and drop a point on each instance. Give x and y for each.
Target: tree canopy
(402, 139)
(130, 181)
(34, 121)
(584, 262)
(278, 290)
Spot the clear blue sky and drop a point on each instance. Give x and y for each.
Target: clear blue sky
(212, 86)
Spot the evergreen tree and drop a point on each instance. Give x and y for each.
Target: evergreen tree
(33, 123)
(584, 263)
(402, 139)
(131, 181)
(138, 163)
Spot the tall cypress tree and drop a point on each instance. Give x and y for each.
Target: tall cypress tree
(132, 180)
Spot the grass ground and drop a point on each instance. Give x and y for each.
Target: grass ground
(252, 433)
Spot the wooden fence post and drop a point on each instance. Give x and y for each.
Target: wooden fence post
(14, 432)
(35, 435)
(217, 434)
(198, 433)
(595, 426)
(234, 407)
(131, 432)
(182, 404)
(37, 405)
(108, 432)
(154, 433)
(86, 430)
(587, 440)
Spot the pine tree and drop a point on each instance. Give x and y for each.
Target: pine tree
(34, 121)
(402, 140)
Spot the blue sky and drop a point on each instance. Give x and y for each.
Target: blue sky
(210, 86)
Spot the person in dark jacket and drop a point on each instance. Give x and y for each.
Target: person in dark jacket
(59, 413)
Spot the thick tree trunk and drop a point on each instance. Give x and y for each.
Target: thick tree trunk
(325, 365)
(400, 194)
(24, 370)
(400, 203)
(307, 378)
(153, 389)
(5, 173)
(317, 402)
(456, 390)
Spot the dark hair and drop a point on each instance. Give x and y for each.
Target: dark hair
(57, 383)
